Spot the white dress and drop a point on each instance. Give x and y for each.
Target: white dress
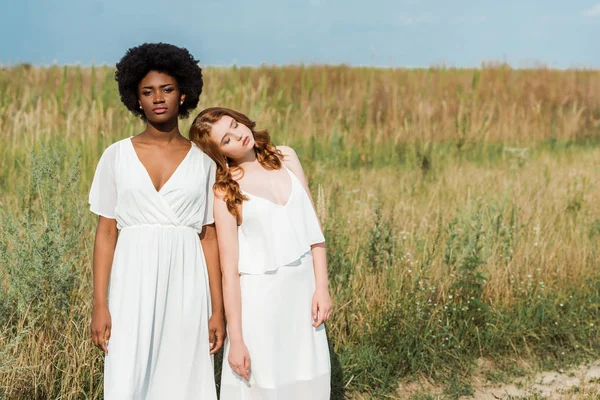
(159, 296)
(289, 357)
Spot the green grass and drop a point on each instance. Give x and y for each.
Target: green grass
(451, 237)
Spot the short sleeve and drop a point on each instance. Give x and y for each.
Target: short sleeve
(103, 193)
(211, 169)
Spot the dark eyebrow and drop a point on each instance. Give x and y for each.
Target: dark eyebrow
(161, 86)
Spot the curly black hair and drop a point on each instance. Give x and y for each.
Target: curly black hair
(162, 57)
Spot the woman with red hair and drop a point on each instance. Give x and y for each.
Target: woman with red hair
(273, 261)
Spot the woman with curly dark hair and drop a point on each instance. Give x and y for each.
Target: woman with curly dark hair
(153, 285)
(274, 264)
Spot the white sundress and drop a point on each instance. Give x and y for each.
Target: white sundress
(289, 357)
(159, 296)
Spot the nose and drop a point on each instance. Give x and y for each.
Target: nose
(158, 97)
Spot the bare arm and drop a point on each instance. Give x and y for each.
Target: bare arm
(104, 251)
(321, 302)
(209, 242)
(239, 358)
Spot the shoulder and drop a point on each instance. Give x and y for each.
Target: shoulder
(110, 153)
(290, 158)
(287, 152)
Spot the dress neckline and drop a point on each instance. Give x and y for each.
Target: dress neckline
(172, 173)
(290, 174)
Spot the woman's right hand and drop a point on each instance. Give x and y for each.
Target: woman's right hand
(239, 359)
(100, 327)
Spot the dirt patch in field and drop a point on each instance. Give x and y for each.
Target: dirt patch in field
(577, 383)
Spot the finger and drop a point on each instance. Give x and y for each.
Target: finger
(219, 344)
(97, 340)
(241, 371)
(105, 339)
(102, 344)
(246, 368)
(214, 344)
(319, 320)
(315, 310)
(212, 339)
(325, 313)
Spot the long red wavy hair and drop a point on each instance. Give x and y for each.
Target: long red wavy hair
(266, 153)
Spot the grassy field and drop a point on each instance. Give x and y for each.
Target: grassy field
(461, 210)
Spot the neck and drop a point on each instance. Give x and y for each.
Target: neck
(166, 131)
(249, 160)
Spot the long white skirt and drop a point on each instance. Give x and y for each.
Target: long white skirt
(160, 305)
(289, 358)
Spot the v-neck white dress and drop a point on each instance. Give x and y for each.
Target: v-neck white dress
(289, 358)
(159, 296)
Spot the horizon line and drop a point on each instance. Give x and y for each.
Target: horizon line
(487, 64)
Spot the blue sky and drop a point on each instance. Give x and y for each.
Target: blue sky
(409, 33)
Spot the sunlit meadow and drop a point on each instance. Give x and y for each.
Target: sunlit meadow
(461, 210)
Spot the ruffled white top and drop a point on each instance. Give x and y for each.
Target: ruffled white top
(273, 235)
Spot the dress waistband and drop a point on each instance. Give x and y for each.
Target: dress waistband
(160, 226)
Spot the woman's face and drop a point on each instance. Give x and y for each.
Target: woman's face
(159, 97)
(233, 139)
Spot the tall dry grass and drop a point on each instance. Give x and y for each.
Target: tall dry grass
(461, 210)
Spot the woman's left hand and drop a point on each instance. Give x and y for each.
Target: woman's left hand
(216, 331)
(321, 307)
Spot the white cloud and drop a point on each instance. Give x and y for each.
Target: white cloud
(593, 12)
